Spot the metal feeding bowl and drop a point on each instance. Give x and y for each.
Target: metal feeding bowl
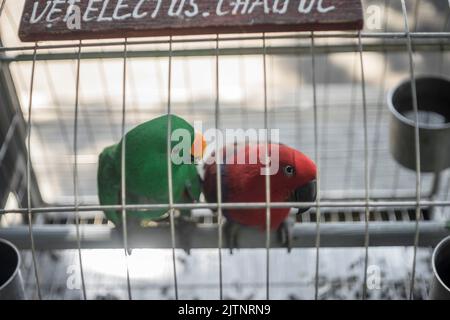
(440, 287)
(433, 97)
(11, 284)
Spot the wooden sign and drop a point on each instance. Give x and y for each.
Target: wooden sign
(90, 19)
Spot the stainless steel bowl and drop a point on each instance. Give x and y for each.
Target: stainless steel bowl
(440, 286)
(433, 96)
(11, 284)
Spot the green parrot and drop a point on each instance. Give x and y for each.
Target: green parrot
(146, 170)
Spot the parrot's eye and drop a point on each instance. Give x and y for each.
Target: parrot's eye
(289, 171)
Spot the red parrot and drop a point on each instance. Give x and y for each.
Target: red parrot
(293, 178)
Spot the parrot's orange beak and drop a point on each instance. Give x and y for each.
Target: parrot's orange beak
(198, 147)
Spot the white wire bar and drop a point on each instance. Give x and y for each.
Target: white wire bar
(347, 35)
(75, 171)
(169, 169)
(416, 144)
(396, 45)
(218, 173)
(317, 158)
(29, 205)
(382, 85)
(366, 170)
(123, 170)
(267, 173)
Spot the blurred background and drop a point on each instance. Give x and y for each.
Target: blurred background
(290, 98)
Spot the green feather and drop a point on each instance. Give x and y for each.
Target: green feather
(146, 171)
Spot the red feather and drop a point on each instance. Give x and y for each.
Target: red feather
(243, 183)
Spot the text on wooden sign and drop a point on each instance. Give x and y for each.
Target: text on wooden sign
(75, 19)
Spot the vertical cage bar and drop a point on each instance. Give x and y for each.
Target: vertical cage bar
(298, 99)
(267, 170)
(271, 87)
(380, 105)
(317, 157)
(30, 217)
(218, 171)
(325, 116)
(417, 145)
(86, 116)
(123, 168)
(366, 168)
(243, 83)
(169, 168)
(416, 14)
(75, 170)
(348, 172)
(108, 103)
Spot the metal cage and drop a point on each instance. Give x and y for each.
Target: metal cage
(61, 103)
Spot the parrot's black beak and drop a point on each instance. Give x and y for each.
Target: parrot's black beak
(306, 193)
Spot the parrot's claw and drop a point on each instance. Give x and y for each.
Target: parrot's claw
(231, 230)
(185, 228)
(285, 232)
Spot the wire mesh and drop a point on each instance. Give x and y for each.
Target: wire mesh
(324, 108)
